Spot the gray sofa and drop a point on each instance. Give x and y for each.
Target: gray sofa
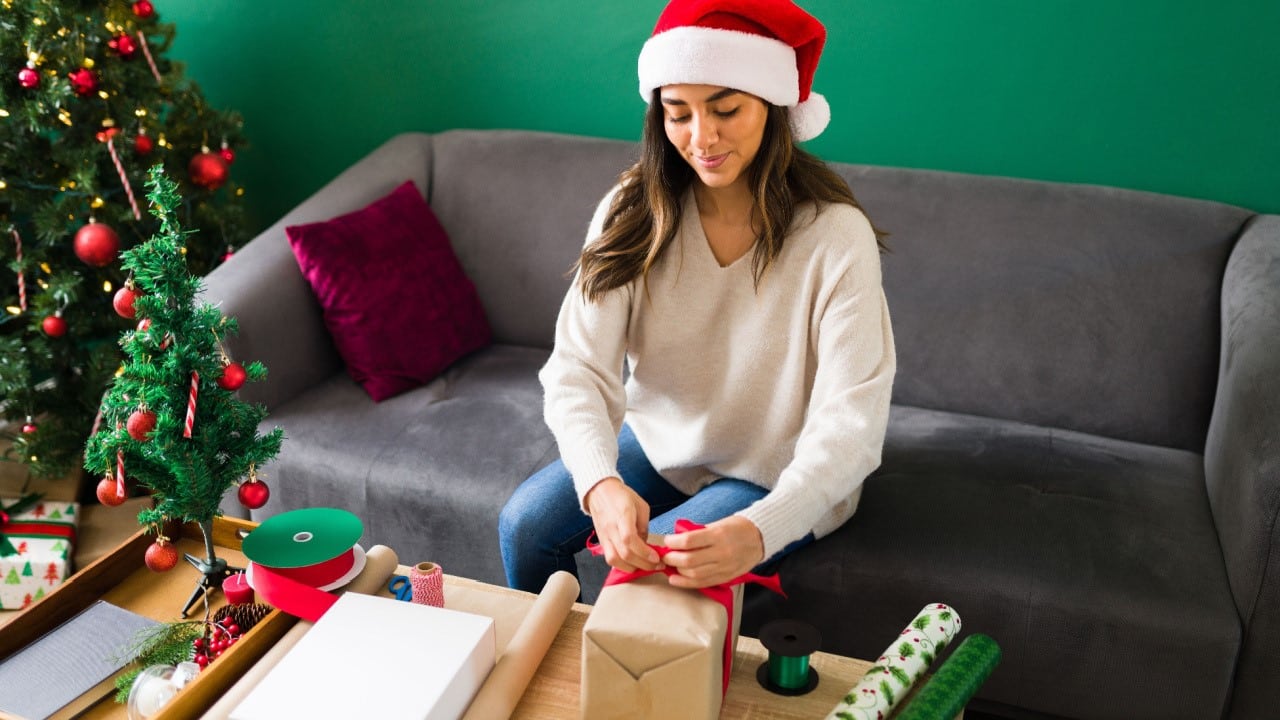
(1083, 455)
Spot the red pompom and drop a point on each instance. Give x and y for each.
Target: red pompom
(232, 377)
(162, 556)
(140, 425)
(254, 493)
(107, 494)
(97, 244)
(143, 145)
(83, 81)
(208, 170)
(144, 9)
(29, 78)
(54, 326)
(123, 302)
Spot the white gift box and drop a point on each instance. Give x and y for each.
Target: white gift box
(379, 658)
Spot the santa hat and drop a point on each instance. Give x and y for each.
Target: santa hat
(768, 48)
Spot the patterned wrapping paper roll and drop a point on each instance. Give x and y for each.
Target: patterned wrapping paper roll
(956, 681)
(427, 580)
(900, 665)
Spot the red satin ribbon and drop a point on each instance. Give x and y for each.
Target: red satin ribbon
(36, 529)
(296, 590)
(722, 594)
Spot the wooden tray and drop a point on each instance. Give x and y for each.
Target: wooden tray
(122, 578)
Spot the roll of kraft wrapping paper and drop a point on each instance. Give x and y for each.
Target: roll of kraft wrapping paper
(510, 677)
(380, 562)
(900, 665)
(956, 681)
(299, 555)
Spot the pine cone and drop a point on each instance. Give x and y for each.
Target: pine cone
(246, 615)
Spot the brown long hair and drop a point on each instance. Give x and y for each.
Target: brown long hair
(645, 212)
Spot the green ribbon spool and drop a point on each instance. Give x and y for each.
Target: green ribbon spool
(787, 671)
(956, 681)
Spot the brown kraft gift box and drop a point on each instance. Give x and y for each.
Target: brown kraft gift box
(650, 650)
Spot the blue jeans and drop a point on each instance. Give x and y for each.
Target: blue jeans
(542, 524)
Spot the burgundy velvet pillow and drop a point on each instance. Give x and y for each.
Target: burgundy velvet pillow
(396, 301)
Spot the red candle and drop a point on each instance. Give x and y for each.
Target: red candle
(237, 590)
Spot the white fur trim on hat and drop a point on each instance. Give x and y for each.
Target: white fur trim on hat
(694, 55)
(810, 118)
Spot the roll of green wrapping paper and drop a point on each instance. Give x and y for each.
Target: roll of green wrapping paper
(945, 694)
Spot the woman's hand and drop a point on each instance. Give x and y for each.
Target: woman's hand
(715, 554)
(621, 518)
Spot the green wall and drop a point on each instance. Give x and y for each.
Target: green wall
(1174, 96)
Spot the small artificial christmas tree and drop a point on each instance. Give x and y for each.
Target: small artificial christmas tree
(88, 101)
(169, 421)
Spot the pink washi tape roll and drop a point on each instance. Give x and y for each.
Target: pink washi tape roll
(427, 580)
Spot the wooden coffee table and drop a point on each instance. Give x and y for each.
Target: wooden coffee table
(553, 693)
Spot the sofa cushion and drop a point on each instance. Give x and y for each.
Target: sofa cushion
(395, 300)
(1073, 306)
(1093, 562)
(428, 470)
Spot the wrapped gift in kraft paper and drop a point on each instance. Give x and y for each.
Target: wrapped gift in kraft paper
(37, 538)
(650, 650)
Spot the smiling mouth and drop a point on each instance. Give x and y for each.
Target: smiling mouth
(710, 162)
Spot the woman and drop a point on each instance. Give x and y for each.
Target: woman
(739, 280)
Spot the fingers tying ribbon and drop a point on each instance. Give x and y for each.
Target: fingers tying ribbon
(722, 594)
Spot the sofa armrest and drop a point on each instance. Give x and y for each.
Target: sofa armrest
(263, 288)
(1242, 458)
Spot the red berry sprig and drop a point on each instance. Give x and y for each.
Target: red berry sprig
(218, 638)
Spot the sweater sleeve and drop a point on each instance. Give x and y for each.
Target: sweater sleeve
(848, 409)
(584, 398)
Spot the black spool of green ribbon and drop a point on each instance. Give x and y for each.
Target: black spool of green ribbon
(787, 671)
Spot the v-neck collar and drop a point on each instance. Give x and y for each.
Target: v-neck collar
(697, 235)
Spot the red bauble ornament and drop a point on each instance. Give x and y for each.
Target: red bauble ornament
(143, 144)
(140, 425)
(227, 154)
(144, 325)
(29, 78)
(83, 81)
(29, 428)
(144, 9)
(97, 244)
(124, 45)
(208, 170)
(54, 326)
(162, 556)
(107, 495)
(254, 494)
(232, 377)
(123, 302)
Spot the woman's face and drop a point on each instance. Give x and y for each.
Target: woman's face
(717, 130)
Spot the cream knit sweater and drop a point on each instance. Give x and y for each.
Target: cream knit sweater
(786, 387)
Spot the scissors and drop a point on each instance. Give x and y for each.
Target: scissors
(400, 587)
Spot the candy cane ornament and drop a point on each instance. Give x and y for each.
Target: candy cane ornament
(146, 50)
(124, 178)
(191, 404)
(22, 281)
(120, 473)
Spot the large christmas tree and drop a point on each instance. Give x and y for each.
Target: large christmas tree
(88, 102)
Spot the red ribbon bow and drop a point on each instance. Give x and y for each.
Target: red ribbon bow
(722, 594)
